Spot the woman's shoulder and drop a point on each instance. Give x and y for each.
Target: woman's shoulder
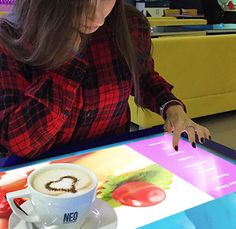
(7, 61)
(4, 58)
(3, 50)
(135, 19)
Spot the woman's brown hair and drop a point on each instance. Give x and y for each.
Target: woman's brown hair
(131, 53)
(43, 32)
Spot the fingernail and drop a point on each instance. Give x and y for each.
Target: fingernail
(193, 144)
(176, 148)
(202, 140)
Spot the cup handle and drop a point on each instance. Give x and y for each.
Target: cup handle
(24, 193)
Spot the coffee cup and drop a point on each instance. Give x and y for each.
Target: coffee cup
(61, 195)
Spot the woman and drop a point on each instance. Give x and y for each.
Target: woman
(67, 70)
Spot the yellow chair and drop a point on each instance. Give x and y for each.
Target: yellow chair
(191, 12)
(171, 12)
(155, 21)
(175, 22)
(202, 70)
(159, 18)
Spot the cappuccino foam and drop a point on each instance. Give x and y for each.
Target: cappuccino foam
(62, 182)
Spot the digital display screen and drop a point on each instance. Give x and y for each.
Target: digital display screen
(147, 182)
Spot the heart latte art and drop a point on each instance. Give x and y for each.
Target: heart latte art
(62, 182)
(57, 185)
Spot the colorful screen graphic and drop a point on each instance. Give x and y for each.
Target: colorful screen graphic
(145, 181)
(6, 5)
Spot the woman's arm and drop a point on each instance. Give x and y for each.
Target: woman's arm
(155, 91)
(32, 113)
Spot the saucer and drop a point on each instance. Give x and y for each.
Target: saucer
(101, 216)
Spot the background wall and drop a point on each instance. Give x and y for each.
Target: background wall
(186, 4)
(196, 4)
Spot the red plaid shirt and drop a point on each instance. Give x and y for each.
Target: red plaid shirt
(83, 99)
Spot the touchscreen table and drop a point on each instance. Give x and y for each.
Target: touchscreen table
(148, 184)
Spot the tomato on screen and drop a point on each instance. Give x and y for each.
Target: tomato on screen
(140, 188)
(138, 194)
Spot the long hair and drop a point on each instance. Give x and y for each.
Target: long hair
(44, 32)
(122, 30)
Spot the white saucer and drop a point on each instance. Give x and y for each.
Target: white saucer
(101, 216)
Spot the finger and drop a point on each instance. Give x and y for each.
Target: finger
(191, 135)
(168, 126)
(201, 138)
(202, 133)
(207, 133)
(176, 136)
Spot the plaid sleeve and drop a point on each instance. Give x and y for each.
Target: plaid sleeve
(31, 113)
(155, 91)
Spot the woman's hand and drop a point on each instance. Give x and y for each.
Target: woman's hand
(177, 121)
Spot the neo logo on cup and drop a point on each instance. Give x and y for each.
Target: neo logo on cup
(70, 217)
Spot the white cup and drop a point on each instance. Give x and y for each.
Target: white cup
(61, 195)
